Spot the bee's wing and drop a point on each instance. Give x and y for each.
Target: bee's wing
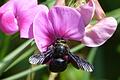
(80, 63)
(40, 58)
(36, 59)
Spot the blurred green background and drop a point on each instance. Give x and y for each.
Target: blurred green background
(14, 54)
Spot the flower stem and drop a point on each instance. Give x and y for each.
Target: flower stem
(52, 76)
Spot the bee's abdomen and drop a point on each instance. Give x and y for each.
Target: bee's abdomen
(57, 65)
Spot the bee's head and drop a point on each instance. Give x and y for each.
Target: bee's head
(59, 40)
(60, 43)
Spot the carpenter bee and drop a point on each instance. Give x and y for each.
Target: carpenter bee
(58, 56)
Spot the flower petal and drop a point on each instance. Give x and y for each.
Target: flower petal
(99, 13)
(8, 23)
(7, 6)
(26, 21)
(42, 30)
(100, 33)
(87, 11)
(22, 5)
(10, 12)
(67, 22)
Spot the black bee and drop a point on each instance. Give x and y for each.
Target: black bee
(58, 56)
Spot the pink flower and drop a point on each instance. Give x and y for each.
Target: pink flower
(61, 22)
(97, 34)
(14, 13)
(72, 24)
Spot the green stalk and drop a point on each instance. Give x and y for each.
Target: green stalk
(76, 48)
(5, 46)
(10, 58)
(115, 13)
(26, 54)
(24, 73)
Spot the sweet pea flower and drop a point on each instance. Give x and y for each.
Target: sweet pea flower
(15, 15)
(61, 22)
(97, 34)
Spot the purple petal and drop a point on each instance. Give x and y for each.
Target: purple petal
(8, 23)
(67, 22)
(7, 6)
(26, 20)
(98, 34)
(42, 30)
(22, 5)
(87, 11)
(11, 11)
